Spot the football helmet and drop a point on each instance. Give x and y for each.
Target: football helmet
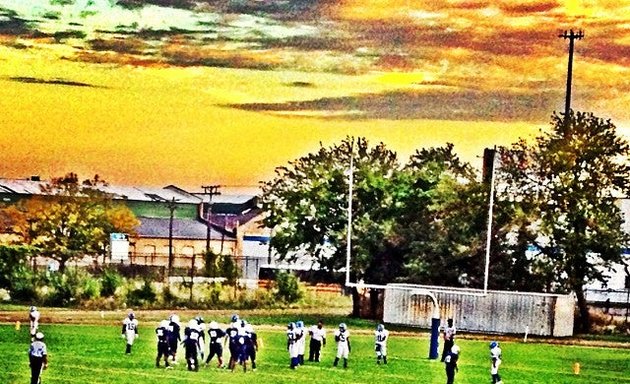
(455, 349)
(342, 326)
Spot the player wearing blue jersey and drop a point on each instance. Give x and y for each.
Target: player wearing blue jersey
(381, 335)
(252, 344)
(38, 357)
(173, 335)
(129, 330)
(191, 344)
(450, 363)
(449, 338)
(215, 347)
(231, 334)
(342, 337)
(201, 325)
(243, 340)
(162, 343)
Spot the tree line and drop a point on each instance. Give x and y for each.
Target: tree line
(557, 224)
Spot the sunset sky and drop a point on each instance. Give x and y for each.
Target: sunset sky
(192, 92)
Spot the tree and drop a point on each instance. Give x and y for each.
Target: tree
(443, 219)
(69, 220)
(13, 265)
(567, 184)
(306, 205)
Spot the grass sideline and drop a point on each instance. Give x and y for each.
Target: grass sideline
(94, 354)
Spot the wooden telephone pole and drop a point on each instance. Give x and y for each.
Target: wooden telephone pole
(571, 36)
(210, 190)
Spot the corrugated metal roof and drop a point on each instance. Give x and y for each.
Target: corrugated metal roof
(226, 199)
(29, 187)
(182, 229)
(21, 186)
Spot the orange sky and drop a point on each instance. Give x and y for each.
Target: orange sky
(230, 96)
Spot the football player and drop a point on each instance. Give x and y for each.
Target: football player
(162, 343)
(173, 335)
(318, 339)
(292, 339)
(33, 316)
(201, 326)
(216, 335)
(301, 341)
(231, 335)
(380, 338)
(449, 338)
(38, 357)
(191, 344)
(450, 364)
(252, 346)
(129, 330)
(243, 341)
(342, 337)
(495, 357)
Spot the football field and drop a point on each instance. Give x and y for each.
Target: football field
(95, 354)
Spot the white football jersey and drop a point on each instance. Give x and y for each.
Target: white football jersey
(342, 336)
(380, 337)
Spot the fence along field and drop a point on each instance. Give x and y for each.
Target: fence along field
(95, 354)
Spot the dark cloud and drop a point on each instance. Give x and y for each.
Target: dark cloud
(608, 51)
(300, 84)
(135, 4)
(120, 45)
(11, 24)
(529, 8)
(467, 105)
(34, 80)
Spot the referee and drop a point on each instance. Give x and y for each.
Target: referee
(38, 357)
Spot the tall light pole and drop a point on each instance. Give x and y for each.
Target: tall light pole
(571, 36)
(209, 190)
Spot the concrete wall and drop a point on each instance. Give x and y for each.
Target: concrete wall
(496, 312)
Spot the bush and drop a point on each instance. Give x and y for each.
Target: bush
(143, 296)
(110, 281)
(90, 288)
(63, 289)
(287, 287)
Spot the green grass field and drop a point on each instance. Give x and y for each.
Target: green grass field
(95, 354)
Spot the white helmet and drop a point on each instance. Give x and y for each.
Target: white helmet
(33, 308)
(164, 323)
(214, 325)
(193, 323)
(39, 336)
(455, 349)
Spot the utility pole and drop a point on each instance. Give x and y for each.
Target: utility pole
(210, 190)
(172, 206)
(571, 36)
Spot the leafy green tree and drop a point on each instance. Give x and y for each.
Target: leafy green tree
(69, 220)
(443, 223)
(566, 185)
(307, 203)
(13, 265)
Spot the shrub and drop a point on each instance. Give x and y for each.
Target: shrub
(90, 288)
(110, 281)
(287, 287)
(142, 296)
